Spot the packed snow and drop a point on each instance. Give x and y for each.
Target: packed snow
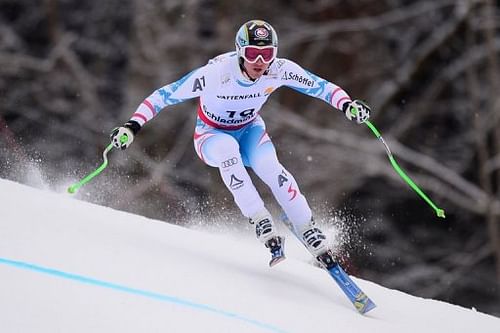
(70, 266)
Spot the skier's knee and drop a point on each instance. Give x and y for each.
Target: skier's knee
(226, 153)
(266, 164)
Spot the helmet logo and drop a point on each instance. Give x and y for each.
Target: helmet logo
(261, 33)
(242, 41)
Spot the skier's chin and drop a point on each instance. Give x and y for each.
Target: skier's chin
(257, 72)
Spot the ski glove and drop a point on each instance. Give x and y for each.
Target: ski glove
(123, 136)
(357, 110)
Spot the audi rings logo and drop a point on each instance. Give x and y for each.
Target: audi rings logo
(230, 162)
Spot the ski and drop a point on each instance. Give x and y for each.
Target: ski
(276, 260)
(358, 298)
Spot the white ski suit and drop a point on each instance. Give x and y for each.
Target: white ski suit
(230, 133)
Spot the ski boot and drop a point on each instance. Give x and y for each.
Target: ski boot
(277, 247)
(264, 230)
(326, 259)
(315, 241)
(264, 226)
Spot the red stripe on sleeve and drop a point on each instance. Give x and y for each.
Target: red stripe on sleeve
(150, 106)
(333, 94)
(140, 115)
(340, 100)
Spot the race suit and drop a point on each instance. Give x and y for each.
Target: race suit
(230, 133)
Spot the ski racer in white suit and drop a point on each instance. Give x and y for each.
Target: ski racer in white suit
(231, 135)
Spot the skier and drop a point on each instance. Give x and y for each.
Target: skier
(231, 135)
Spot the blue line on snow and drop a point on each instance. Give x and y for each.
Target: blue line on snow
(139, 292)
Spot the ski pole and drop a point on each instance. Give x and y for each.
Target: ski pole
(73, 188)
(402, 174)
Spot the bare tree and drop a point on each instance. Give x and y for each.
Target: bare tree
(70, 71)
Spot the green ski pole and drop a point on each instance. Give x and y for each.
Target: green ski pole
(402, 174)
(73, 188)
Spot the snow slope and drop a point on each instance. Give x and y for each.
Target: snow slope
(70, 266)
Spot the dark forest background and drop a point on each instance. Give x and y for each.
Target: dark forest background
(72, 70)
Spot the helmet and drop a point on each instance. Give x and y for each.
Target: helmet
(256, 33)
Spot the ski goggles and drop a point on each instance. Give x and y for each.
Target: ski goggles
(253, 53)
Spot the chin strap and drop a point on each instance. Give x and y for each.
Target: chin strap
(244, 71)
